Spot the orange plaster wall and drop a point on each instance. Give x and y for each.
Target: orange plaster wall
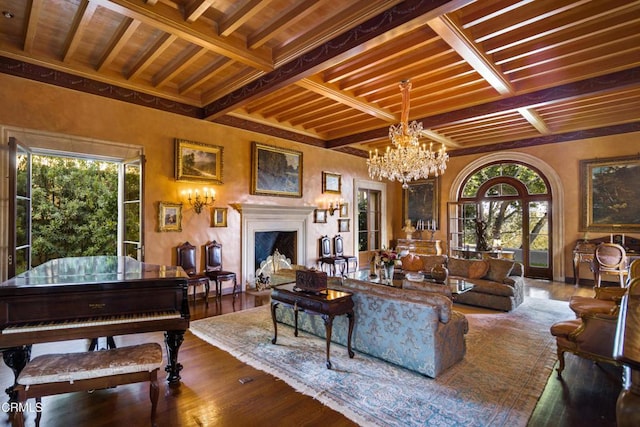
(37, 106)
(46, 108)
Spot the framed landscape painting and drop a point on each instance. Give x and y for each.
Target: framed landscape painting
(610, 194)
(276, 171)
(421, 201)
(169, 216)
(196, 161)
(331, 183)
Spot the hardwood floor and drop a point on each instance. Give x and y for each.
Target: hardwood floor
(219, 390)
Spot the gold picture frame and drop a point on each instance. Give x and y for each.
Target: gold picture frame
(344, 210)
(343, 225)
(610, 194)
(197, 161)
(276, 171)
(219, 217)
(320, 216)
(169, 216)
(331, 183)
(422, 201)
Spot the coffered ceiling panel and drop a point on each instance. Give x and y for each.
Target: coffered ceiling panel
(485, 74)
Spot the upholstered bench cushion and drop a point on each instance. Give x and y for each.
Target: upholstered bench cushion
(53, 368)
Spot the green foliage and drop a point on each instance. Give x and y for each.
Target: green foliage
(74, 208)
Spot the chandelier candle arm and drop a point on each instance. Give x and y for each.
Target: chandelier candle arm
(406, 160)
(198, 202)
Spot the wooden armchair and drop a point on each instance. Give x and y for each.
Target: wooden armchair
(591, 336)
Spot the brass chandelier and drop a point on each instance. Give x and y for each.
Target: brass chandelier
(407, 160)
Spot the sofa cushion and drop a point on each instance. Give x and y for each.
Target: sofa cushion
(499, 269)
(430, 261)
(484, 286)
(477, 269)
(458, 267)
(411, 262)
(427, 287)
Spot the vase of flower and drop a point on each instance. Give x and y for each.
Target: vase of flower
(388, 269)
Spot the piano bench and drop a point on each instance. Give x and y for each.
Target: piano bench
(52, 374)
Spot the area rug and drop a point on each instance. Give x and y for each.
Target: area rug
(509, 359)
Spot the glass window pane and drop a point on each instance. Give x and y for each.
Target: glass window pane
(132, 221)
(132, 182)
(22, 260)
(22, 222)
(22, 175)
(539, 234)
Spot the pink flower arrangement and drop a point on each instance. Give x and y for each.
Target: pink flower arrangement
(388, 257)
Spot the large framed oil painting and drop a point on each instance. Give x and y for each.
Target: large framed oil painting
(196, 161)
(610, 194)
(276, 171)
(421, 201)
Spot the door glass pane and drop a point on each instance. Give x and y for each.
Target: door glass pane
(538, 235)
(23, 173)
(22, 222)
(504, 226)
(132, 223)
(132, 182)
(22, 260)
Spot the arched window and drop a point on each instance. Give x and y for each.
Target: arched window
(506, 209)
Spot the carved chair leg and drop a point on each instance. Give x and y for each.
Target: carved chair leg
(560, 367)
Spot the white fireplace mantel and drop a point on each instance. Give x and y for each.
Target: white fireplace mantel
(259, 218)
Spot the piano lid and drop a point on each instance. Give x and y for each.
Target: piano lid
(92, 269)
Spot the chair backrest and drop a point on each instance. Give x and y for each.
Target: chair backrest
(338, 246)
(325, 247)
(610, 256)
(187, 258)
(213, 256)
(634, 269)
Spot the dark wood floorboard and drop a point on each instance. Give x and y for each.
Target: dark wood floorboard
(219, 390)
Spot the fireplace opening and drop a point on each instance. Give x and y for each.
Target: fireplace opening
(266, 242)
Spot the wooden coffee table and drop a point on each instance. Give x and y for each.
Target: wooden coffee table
(328, 304)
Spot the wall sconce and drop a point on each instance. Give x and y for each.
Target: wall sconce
(335, 206)
(198, 202)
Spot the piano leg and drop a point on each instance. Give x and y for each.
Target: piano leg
(173, 340)
(16, 359)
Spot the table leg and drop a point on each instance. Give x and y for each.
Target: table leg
(328, 324)
(351, 318)
(274, 305)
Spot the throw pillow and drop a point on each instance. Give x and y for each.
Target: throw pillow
(477, 269)
(411, 262)
(430, 261)
(458, 267)
(499, 269)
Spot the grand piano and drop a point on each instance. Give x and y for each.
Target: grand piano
(92, 297)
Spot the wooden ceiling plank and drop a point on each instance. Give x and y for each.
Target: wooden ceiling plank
(327, 90)
(80, 24)
(307, 110)
(277, 97)
(461, 42)
(231, 84)
(118, 42)
(155, 51)
(171, 21)
(198, 79)
(395, 50)
(559, 30)
(536, 121)
(283, 20)
(273, 123)
(344, 46)
(247, 11)
(178, 65)
(34, 7)
(527, 15)
(278, 108)
(195, 9)
(434, 136)
(490, 10)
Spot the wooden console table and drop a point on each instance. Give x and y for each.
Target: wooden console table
(420, 247)
(328, 304)
(584, 250)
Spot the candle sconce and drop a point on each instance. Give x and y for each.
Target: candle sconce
(335, 206)
(199, 201)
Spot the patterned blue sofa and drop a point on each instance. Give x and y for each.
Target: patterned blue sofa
(416, 330)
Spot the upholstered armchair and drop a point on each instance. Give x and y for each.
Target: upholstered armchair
(591, 337)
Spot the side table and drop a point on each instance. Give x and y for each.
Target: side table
(328, 304)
